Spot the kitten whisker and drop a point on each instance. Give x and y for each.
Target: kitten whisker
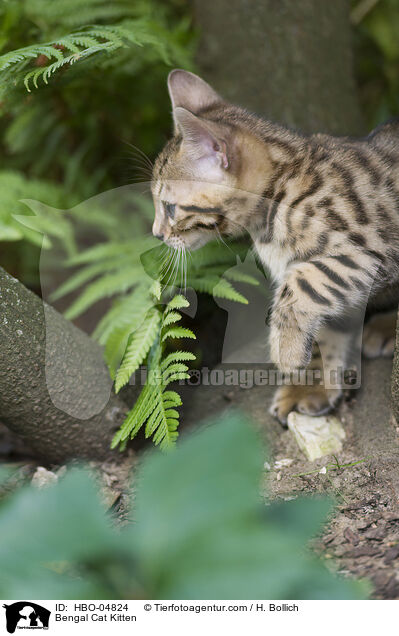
(168, 264)
(173, 263)
(138, 161)
(185, 270)
(164, 263)
(175, 269)
(221, 240)
(141, 153)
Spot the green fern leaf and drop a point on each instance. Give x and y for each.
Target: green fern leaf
(177, 356)
(219, 287)
(177, 302)
(171, 317)
(176, 371)
(117, 339)
(106, 286)
(178, 332)
(136, 417)
(77, 280)
(100, 252)
(138, 346)
(156, 405)
(156, 289)
(173, 397)
(123, 312)
(241, 277)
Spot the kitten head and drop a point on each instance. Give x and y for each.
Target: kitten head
(202, 183)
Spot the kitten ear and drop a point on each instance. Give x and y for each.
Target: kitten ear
(201, 138)
(190, 91)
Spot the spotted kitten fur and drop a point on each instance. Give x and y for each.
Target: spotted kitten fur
(323, 215)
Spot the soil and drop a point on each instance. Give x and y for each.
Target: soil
(114, 478)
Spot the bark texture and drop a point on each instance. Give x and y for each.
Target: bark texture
(395, 377)
(55, 391)
(288, 61)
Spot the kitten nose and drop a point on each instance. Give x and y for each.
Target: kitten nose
(159, 236)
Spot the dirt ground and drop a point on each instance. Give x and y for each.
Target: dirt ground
(361, 538)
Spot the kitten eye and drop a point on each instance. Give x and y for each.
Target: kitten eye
(169, 209)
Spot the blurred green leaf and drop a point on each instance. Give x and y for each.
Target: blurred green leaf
(377, 58)
(211, 539)
(201, 532)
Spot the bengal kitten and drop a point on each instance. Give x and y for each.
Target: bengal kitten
(322, 212)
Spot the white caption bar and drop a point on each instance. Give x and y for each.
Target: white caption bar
(177, 618)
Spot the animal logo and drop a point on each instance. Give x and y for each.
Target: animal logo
(26, 615)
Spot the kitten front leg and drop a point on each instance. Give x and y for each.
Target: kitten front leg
(321, 387)
(311, 293)
(290, 341)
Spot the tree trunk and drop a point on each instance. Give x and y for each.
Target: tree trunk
(395, 377)
(55, 389)
(289, 61)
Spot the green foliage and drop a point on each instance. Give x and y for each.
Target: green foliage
(72, 49)
(141, 323)
(377, 57)
(14, 188)
(138, 345)
(201, 532)
(79, 83)
(78, 79)
(156, 405)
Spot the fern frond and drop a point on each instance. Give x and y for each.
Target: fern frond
(171, 317)
(77, 280)
(106, 286)
(156, 290)
(138, 346)
(118, 337)
(178, 332)
(45, 73)
(213, 253)
(241, 277)
(101, 251)
(175, 371)
(176, 356)
(123, 311)
(156, 405)
(172, 398)
(177, 302)
(136, 417)
(91, 42)
(219, 287)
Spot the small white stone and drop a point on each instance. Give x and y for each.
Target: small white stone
(316, 436)
(43, 478)
(323, 470)
(281, 463)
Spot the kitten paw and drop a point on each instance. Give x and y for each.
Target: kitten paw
(379, 336)
(310, 400)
